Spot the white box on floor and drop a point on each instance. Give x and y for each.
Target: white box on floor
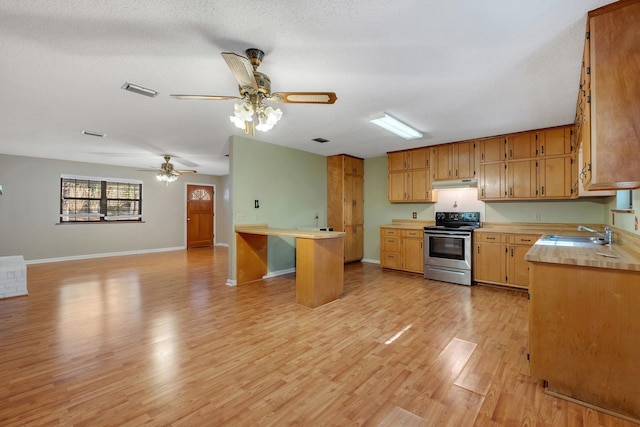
(13, 276)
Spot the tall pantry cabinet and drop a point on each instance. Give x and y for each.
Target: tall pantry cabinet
(345, 202)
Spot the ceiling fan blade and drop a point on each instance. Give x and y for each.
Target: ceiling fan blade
(206, 97)
(304, 97)
(241, 68)
(185, 171)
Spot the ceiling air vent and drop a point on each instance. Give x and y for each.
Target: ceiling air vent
(320, 140)
(90, 133)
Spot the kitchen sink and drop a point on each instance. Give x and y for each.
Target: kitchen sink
(573, 239)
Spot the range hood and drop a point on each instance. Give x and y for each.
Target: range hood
(456, 183)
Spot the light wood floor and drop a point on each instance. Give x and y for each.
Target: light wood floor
(159, 339)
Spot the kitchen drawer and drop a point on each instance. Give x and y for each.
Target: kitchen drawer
(491, 237)
(391, 232)
(390, 244)
(523, 239)
(390, 259)
(414, 233)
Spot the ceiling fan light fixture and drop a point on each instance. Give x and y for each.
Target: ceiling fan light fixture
(139, 90)
(395, 126)
(267, 117)
(167, 177)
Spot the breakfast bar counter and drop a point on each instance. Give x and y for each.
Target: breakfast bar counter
(319, 260)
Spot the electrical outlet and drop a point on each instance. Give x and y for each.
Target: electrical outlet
(414, 215)
(241, 217)
(537, 216)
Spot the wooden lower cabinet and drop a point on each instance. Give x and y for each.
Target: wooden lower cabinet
(499, 258)
(583, 334)
(402, 249)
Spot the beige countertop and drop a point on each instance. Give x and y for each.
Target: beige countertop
(265, 230)
(532, 228)
(409, 224)
(615, 256)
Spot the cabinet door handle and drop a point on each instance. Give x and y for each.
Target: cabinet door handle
(542, 149)
(491, 238)
(512, 252)
(511, 153)
(543, 190)
(420, 245)
(511, 191)
(478, 249)
(526, 240)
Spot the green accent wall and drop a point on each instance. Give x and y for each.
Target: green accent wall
(290, 185)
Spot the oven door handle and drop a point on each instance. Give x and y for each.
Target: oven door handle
(447, 233)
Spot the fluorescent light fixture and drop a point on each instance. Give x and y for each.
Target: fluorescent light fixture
(394, 125)
(139, 89)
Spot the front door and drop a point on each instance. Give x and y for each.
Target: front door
(199, 216)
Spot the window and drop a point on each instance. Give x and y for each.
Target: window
(624, 200)
(89, 199)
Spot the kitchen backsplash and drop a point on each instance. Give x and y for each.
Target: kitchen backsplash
(460, 200)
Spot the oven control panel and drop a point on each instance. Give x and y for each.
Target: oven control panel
(458, 216)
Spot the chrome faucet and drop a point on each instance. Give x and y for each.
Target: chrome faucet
(607, 236)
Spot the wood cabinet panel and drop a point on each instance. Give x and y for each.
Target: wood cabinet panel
(396, 186)
(412, 183)
(499, 258)
(615, 109)
(397, 161)
(464, 160)
(345, 202)
(402, 249)
(521, 146)
(493, 181)
(413, 254)
(522, 179)
(443, 162)
(490, 262)
(493, 150)
(419, 158)
(555, 142)
(554, 175)
(583, 334)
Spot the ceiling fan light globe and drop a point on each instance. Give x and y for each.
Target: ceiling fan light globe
(240, 124)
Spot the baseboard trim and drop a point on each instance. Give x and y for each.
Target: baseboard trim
(279, 273)
(371, 261)
(226, 245)
(104, 255)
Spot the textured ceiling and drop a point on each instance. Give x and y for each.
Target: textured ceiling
(455, 70)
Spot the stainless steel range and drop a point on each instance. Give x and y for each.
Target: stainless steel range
(448, 249)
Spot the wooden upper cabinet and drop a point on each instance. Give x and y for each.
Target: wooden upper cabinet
(493, 150)
(522, 179)
(454, 161)
(397, 186)
(353, 166)
(521, 146)
(493, 180)
(554, 142)
(419, 158)
(464, 155)
(397, 161)
(615, 88)
(443, 162)
(554, 176)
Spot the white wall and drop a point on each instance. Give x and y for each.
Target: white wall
(30, 208)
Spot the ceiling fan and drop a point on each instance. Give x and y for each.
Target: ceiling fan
(166, 172)
(255, 87)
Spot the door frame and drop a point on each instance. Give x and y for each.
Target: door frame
(184, 200)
